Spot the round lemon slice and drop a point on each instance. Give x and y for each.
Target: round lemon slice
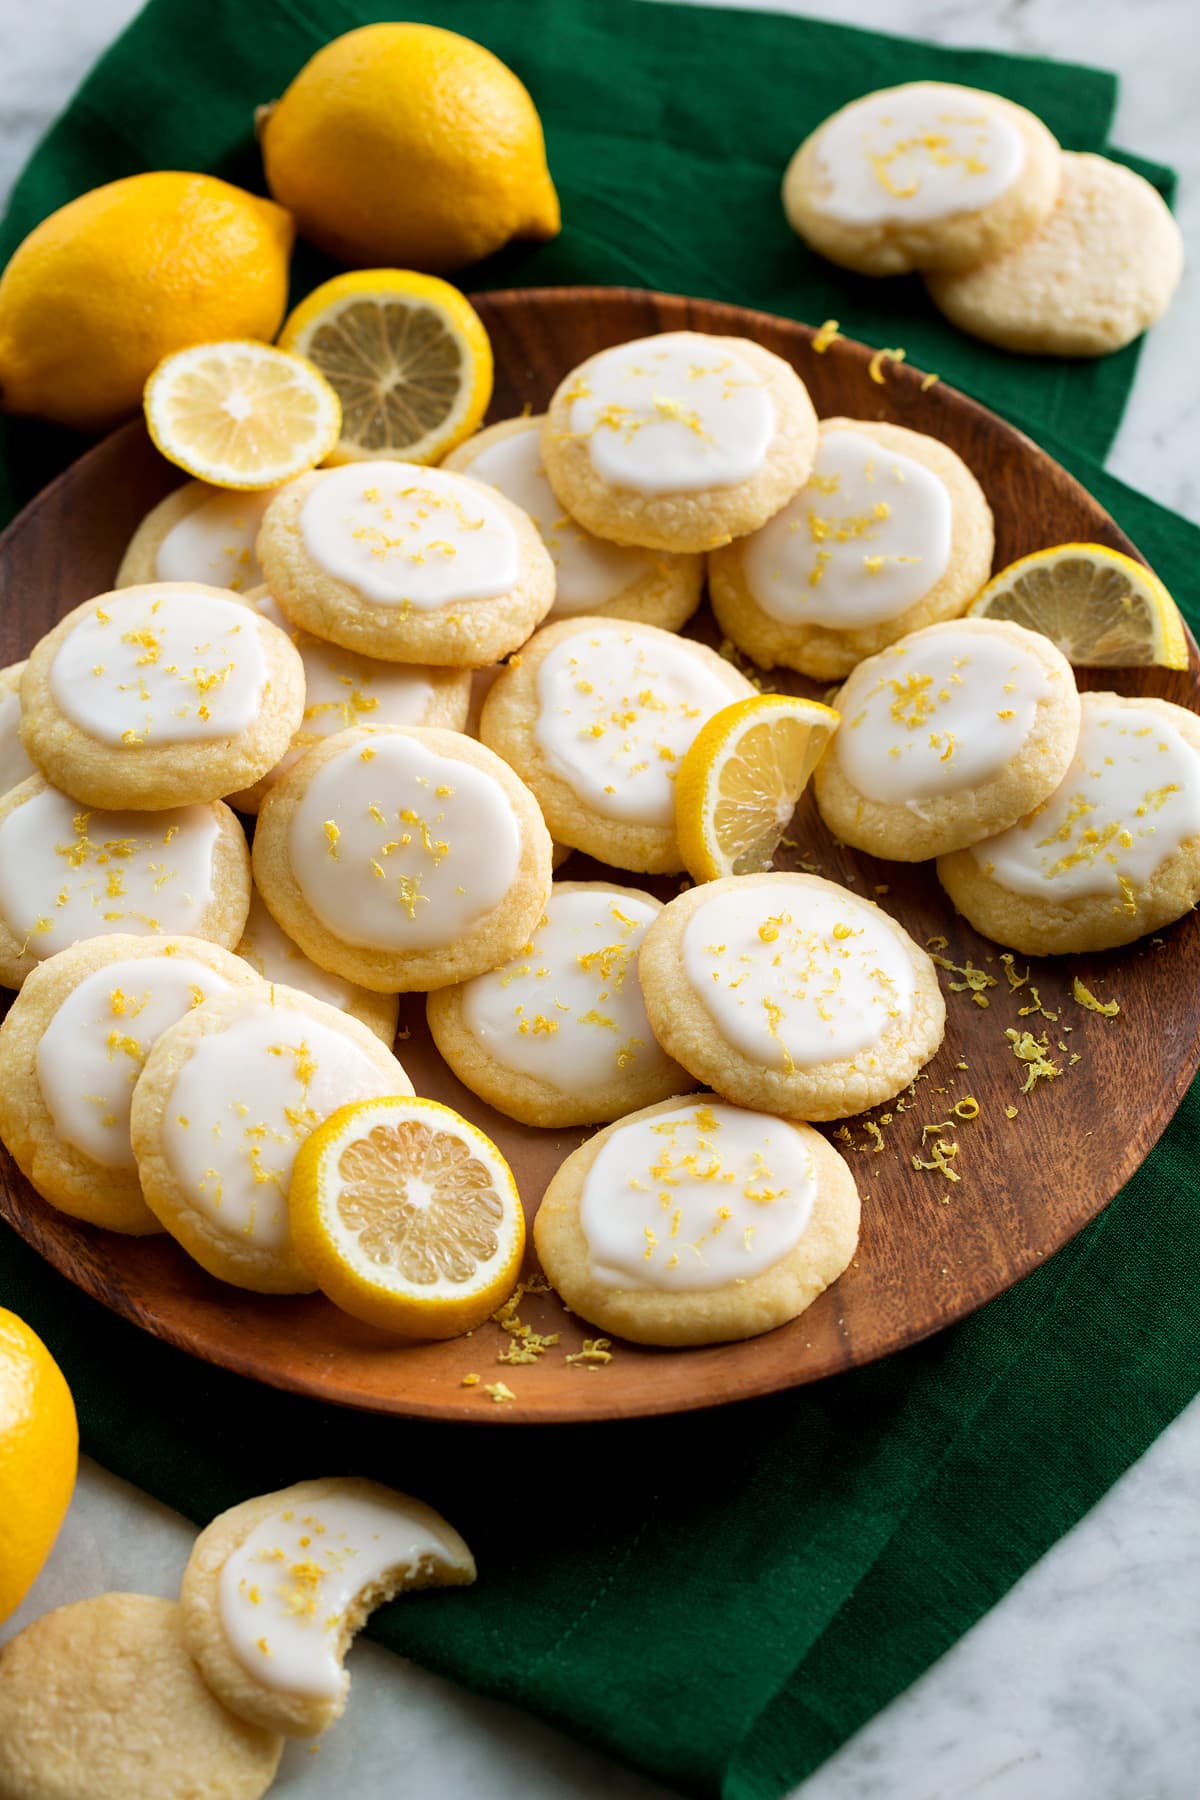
(408, 357)
(407, 1217)
(1102, 609)
(740, 779)
(241, 414)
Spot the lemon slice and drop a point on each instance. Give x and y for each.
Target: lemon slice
(408, 356)
(241, 414)
(740, 780)
(1102, 609)
(407, 1217)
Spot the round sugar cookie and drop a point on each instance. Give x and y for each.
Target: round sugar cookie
(678, 442)
(401, 859)
(595, 715)
(226, 1098)
(15, 765)
(948, 736)
(890, 532)
(160, 696)
(276, 1588)
(198, 533)
(272, 954)
(693, 1222)
(559, 1035)
(71, 1049)
(789, 993)
(406, 564)
(102, 1699)
(928, 175)
(1112, 854)
(591, 576)
(1101, 270)
(69, 872)
(342, 689)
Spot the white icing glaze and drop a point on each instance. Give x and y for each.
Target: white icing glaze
(697, 1198)
(864, 540)
(283, 1593)
(93, 1050)
(1130, 798)
(917, 153)
(396, 847)
(671, 414)
(272, 953)
(792, 977)
(166, 668)
(15, 766)
(568, 1010)
(406, 536)
(936, 713)
(616, 710)
(214, 543)
(68, 873)
(587, 572)
(244, 1102)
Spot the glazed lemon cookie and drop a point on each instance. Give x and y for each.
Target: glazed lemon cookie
(15, 765)
(72, 1047)
(275, 1589)
(590, 576)
(101, 1698)
(406, 564)
(272, 954)
(924, 176)
(948, 736)
(595, 716)
(401, 859)
(679, 442)
(226, 1098)
(692, 1222)
(68, 873)
(789, 993)
(198, 533)
(890, 532)
(160, 696)
(1112, 854)
(559, 1035)
(1101, 269)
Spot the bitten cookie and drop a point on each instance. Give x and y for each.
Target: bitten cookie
(275, 1589)
(595, 716)
(68, 872)
(1112, 854)
(402, 859)
(406, 564)
(198, 533)
(559, 1036)
(160, 696)
(691, 1222)
(924, 176)
(1101, 269)
(226, 1098)
(890, 532)
(272, 954)
(590, 576)
(788, 993)
(74, 1043)
(679, 442)
(15, 765)
(948, 736)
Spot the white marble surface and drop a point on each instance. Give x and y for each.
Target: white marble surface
(1081, 1684)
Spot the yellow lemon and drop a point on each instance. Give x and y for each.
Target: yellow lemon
(241, 415)
(103, 289)
(39, 1454)
(409, 145)
(1102, 609)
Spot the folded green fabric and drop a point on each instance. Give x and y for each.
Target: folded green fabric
(723, 1598)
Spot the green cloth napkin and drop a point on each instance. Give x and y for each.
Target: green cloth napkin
(720, 1599)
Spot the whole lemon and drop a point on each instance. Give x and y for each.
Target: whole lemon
(103, 289)
(39, 1454)
(409, 146)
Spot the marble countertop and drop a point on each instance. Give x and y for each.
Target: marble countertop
(1081, 1684)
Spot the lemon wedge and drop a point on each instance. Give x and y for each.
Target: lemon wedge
(407, 1217)
(241, 414)
(1102, 609)
(740, 780)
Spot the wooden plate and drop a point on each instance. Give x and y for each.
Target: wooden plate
(931, 1251)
